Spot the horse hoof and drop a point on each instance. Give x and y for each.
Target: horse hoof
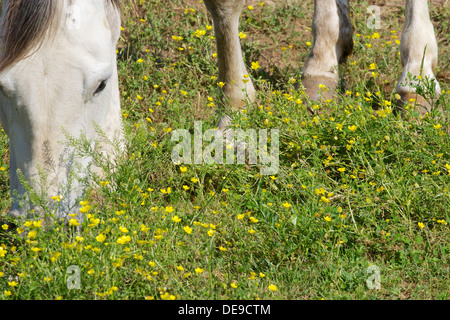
(318, 88)
(224, 122)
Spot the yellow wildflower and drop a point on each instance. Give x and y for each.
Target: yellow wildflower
(187, 229)
(273, 287)
(255, 65)
(101, 237)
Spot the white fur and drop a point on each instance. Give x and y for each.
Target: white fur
(53, 90)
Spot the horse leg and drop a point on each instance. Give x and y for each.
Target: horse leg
(232, 71)
(419, 53)
(332, 32)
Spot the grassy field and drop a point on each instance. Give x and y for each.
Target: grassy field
(356, 190)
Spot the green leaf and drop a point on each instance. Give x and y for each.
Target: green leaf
(419, 239)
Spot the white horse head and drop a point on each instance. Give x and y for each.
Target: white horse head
(58, 74)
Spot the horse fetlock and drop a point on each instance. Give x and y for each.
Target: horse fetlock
(236, 97)
(318, 87)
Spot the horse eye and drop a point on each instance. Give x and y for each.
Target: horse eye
(100, 87)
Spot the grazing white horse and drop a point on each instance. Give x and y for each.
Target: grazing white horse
(332, 32)
(58, 74)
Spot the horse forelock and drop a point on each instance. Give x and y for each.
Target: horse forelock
(27, 23)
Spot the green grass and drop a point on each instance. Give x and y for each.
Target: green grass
(312, 230)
